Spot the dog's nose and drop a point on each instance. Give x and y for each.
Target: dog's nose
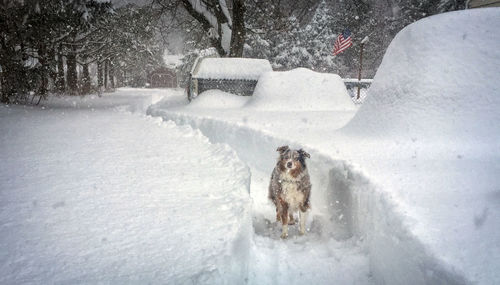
(289, 164)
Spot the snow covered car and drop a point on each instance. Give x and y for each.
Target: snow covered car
(233, 75)
(301, 89)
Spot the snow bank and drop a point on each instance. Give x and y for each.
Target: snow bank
(432, 117)
(325, 255)
(301, 89)
(438, 81)
(217, 99)
(232, 68)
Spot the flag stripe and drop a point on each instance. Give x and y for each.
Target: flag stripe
(342, 43)
(345, 44)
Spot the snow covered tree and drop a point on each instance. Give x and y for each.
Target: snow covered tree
(53, 45)
(222, 21)
(130, 49)
(13, 52)
(42, 32)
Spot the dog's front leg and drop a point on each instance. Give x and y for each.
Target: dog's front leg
(284, 220)
(303, 218)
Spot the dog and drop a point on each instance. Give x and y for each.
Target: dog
(290, 188)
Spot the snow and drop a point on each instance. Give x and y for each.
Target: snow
(216, 99)
(405, 190)
(326, 254)
(443, 88)
(202, 9)
(172, 60)
(434, 104)
(225, 10)
(226, 32)
(232, 68)
(411, 180)
(301, 89)
(92, 193)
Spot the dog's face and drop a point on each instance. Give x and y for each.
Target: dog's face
(291, 159)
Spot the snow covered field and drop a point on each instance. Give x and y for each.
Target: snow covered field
(91, 193)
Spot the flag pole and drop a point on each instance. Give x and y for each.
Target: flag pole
(361, 64)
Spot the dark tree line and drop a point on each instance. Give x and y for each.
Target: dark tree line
(83, 46)
(74, 46)
(297, 33)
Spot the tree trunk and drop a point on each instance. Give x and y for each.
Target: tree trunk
(112, 74)
(60, 82)
(85, 78)
(106, 67)
(99, 75)
(51, 67)
(44, 80)
(238, 31)
(72, 72)
(215, 42)
(4, 98)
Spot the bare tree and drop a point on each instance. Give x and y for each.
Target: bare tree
(222, 20)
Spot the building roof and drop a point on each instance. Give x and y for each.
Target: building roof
(232, 68)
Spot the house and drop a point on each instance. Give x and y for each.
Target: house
(233, 75)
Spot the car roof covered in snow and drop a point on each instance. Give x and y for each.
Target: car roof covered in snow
(301, 89)
(232, 68)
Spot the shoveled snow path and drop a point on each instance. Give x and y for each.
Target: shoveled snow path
(92, 194)
(322, 256)
(325, 255)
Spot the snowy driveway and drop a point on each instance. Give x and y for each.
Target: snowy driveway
(90, 193)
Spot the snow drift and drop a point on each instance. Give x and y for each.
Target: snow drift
(300, 89)
(432, 115)
(438, 79)
(217, 99)
(428, 214)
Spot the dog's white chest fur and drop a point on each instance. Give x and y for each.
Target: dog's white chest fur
(291, 194)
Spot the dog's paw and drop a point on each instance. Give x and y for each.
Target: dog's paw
(284, 235)
(302, 232)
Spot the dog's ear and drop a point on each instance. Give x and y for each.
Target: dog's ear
(304, 153)
(282, 149)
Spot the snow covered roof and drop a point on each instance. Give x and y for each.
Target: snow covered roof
(232, 68)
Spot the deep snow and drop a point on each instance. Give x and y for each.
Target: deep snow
(414, 174)
(300, 89)
(404, 193)
(92, 193)
(326, 254)
(232, 68)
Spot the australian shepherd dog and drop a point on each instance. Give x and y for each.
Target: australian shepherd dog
(290, 188)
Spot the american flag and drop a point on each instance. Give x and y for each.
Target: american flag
(343, 42)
